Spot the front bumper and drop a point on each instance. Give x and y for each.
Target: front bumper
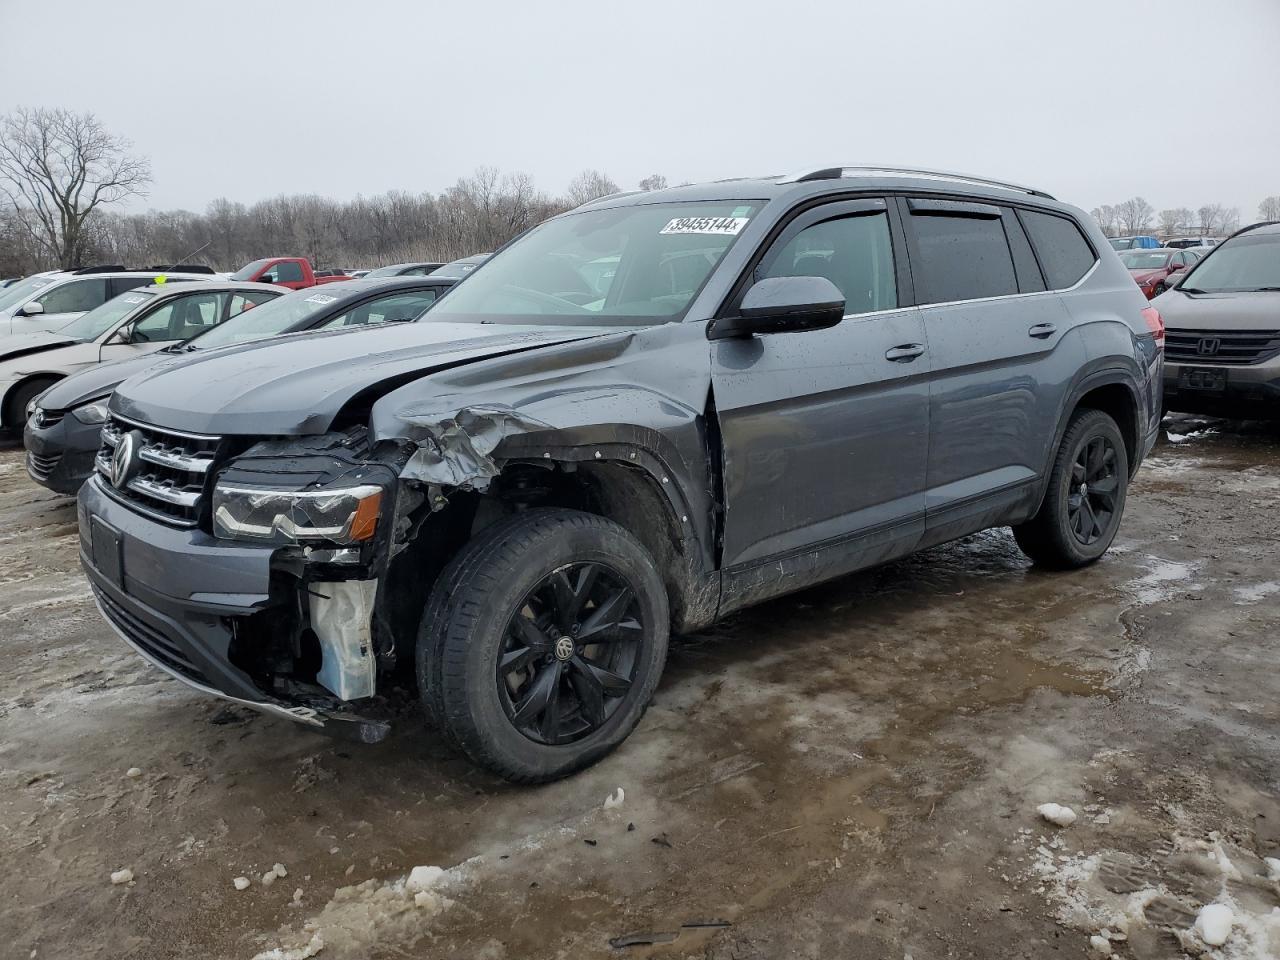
(1248, 390)
(173, 595)
(60, 454)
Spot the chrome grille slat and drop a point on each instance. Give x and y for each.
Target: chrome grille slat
(1235, 347)
(172, 472)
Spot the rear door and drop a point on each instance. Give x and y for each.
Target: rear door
(1002, 355)
(824, 433)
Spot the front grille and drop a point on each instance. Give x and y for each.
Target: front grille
(150, 641)
(1231, 347)
(171, 472)
(41, 467)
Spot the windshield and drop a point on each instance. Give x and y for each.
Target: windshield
(1244, 264)
(21, 291)
(641, 264)
(249, 270)
(268, 320)
(91, 325)
(391, 271)
(1145, 260)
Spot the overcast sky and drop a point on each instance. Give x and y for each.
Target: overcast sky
(1092, 100)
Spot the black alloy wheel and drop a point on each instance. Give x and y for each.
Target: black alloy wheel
(1091, 502)
(570, 653)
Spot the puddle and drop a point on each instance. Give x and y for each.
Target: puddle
(1164, 580)
(1254, 592)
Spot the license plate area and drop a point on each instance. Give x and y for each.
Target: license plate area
(108, 550)
(1202, 379)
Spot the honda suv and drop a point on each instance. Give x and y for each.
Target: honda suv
(515, 501)
(1224, 329)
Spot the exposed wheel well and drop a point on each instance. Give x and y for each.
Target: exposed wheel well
(1116, 400)
(625, 494)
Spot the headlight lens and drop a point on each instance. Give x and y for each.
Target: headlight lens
(91, 413)
(348, 515)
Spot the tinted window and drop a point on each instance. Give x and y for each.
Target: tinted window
(404, 306)
(1064, 253)
(288, 272)
(854, 253)
(962, 258)
(75, 297)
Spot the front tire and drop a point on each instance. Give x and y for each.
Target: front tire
(542, 643)
(1085, 498)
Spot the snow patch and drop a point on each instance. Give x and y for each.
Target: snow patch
(122, 876)
(1214, 924)
(1057, 814)
(1254, 592)
(615, 799)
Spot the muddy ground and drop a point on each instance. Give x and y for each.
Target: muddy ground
(851, 772)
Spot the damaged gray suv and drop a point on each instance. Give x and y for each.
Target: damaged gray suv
(636, 418)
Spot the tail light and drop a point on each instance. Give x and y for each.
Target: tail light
(1155, 323)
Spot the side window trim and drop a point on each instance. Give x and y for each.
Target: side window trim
(1016, 235)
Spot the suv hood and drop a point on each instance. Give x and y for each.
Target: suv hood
(1219, 311)
(20, 344)
(298, 384)
(97, 381)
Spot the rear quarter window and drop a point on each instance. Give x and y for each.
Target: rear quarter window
(1065, 255)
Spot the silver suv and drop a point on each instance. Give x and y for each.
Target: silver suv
(642, 415)
(1224, 329)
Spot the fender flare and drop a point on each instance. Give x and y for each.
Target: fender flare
(1113, 373)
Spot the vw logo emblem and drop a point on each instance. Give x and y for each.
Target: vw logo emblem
(1208, 346)
(564, 648)
(124, 459)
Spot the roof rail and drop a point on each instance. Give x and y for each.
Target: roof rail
(835, 173)
(101, 268)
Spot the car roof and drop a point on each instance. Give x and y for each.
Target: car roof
(204, 286)
(832, 180)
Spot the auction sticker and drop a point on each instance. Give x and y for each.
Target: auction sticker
(724, 226)
(320, 298)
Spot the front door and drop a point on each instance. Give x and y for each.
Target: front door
(824, 433)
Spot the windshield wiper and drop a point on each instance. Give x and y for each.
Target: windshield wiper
(1191, 290)
(1263, 290)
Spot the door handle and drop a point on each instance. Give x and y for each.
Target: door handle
(1042, 331)
(904, 353)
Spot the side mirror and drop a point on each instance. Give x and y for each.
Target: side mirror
(33, 309)
(784, 305)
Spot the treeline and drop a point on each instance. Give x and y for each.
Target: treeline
(477, 214)
(1136, 216)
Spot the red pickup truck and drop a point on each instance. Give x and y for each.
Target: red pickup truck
(292, 272)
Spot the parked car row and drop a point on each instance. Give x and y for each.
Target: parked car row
(641, 415)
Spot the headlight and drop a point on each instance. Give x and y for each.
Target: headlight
(91, 413)
(347, 515)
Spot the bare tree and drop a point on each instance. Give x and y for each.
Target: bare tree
(1217, 219)
(1269, 209)
(588, 185)
(57, 168)
(1135, 215)
(654, 182)
(1174, 221)
(1106, 217)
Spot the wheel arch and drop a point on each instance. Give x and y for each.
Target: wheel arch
(10, 416)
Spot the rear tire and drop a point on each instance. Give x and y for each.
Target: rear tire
(542, 643)
(1085, 498)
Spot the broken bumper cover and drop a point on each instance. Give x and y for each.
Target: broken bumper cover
(173, 594)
